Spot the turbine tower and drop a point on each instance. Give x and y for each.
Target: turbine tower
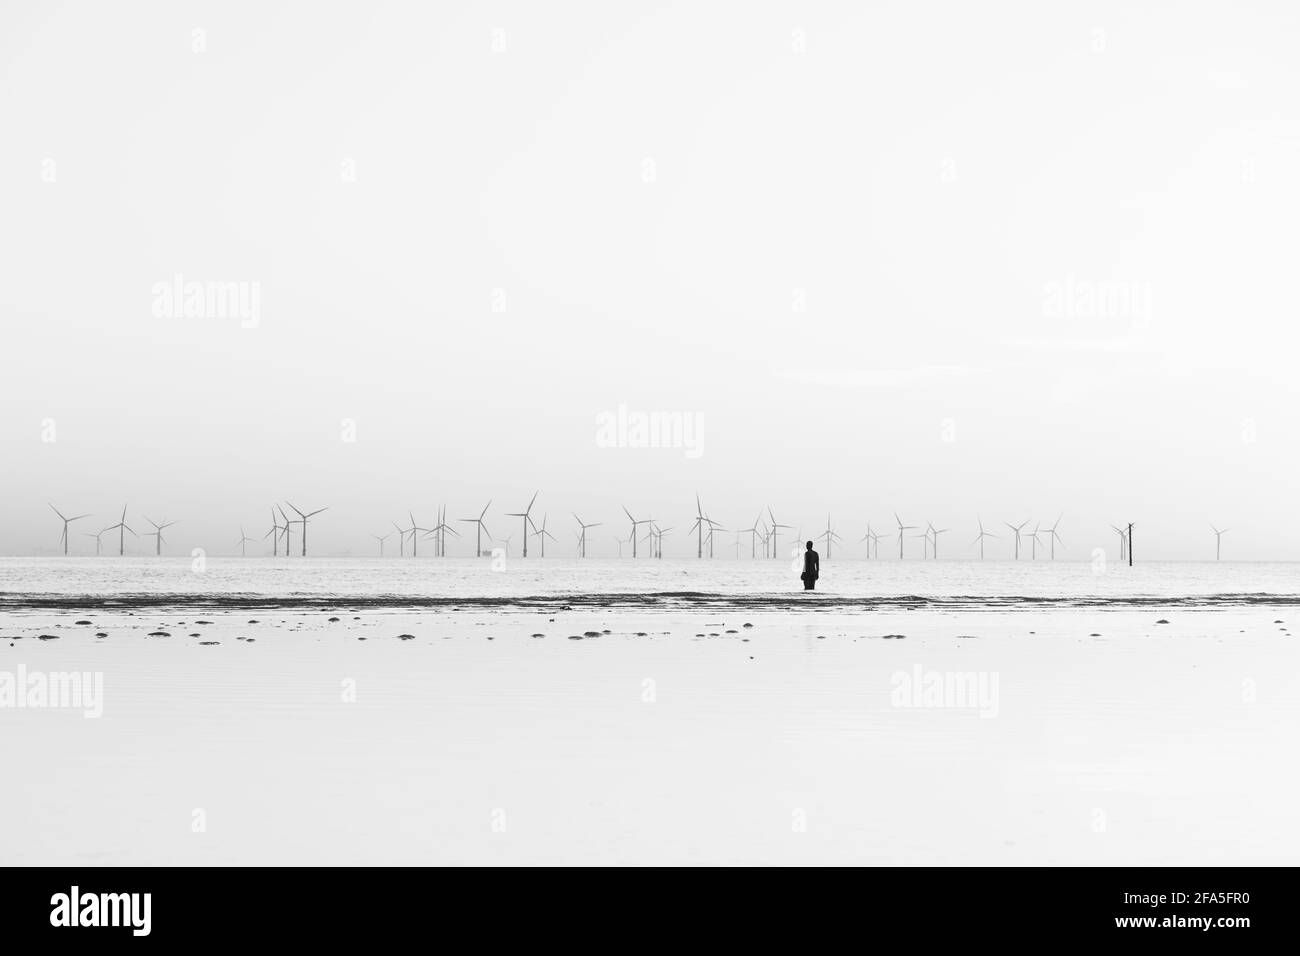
(440, 542)
(242, 543)
(274, 535)
(122, 528)
(303, 518)
(1016, 529)
(934, 533)
(582, 534)
(63, 540)
(1218, 536)
(157, 532)
(96, 535)
(698, 527)
(415, 531)
(1123, 541)
(979, 538)
(754, 535)
(830, 537)
(528, 522)
(287, 529)
(480, 527)
(1034, 542)
(774, 528)
(542, 534)
(901, 528)
(1052, 536)
(635, 522)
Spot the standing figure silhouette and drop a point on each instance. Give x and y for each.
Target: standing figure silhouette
(811, 567)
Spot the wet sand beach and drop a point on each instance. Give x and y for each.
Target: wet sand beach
(720, 732)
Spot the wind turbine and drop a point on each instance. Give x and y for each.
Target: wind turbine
(440, 542)
(830, 536)
(979, 538)
(1218, 535)
(543, 534)
(1016, 528)
(775, 526)
(122, 528)
(381, 539)
(274, 535)
(901, 528)
(925, 547)
(698, 527)
(96, 535)
(157, 532)
(619, 542)
(755, 534)
(1123, 540)
(714, 527)
(415, 531)
(480, 528)
(659, 535)
(528, 522)
(66, 521)
(304, 517)
(242, 544)
(582, 535)
(934, 533)
(1034, 542)
(635, 522)
(287, 529)
(1052, 536)
(506, 541)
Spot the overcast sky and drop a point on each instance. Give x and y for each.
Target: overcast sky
(947, 259)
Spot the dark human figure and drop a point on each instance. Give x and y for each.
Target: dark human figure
(811, 566)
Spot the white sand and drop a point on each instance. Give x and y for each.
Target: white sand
(1152, 744)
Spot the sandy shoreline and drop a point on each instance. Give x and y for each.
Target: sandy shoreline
(661, 736)
(649, 601)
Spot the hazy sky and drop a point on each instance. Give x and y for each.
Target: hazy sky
(948, 259)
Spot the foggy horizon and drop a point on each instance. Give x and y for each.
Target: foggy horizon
(1058, 285)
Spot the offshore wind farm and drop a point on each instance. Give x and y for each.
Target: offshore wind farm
(764, 530)
(312, 322)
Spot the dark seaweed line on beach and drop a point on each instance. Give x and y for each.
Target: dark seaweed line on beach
(648, 600)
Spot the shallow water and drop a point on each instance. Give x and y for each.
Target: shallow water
(464, 580)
